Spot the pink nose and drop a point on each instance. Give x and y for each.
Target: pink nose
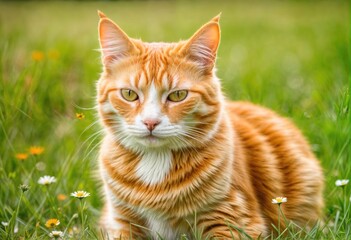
(151, 123)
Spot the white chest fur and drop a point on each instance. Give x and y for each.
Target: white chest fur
(154, 166)
(160, 227)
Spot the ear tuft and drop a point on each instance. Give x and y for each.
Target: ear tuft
(115, 44)
(216, 18)
(101, 14)
(202, 46)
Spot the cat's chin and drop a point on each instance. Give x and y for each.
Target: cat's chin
(152, 142)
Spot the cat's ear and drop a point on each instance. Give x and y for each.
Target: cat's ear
(114, 42)
(202, 46)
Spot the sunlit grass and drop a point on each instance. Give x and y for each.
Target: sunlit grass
(292, 57)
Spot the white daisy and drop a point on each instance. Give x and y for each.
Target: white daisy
(5, 224)
(46, 180)
(56, 234)
(80, 194)
(341, 183)
(279, 200)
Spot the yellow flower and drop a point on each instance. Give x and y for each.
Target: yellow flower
(36, 150)
(279, 200)
(80, 194)
(80, 116)
(51, 223)
(61, 197)
(37, 56)
(21, 156)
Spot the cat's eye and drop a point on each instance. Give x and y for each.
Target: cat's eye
(129, 95)
(177, 96)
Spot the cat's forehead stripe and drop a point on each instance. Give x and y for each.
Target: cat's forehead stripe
(162, 79)
(137, 80)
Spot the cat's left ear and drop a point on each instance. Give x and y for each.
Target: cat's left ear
(202, 46)
(115, 43)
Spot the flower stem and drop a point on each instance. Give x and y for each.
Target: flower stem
(279, 210)
(51, 201)
(344, 199)
(82, 206)
(13, 220)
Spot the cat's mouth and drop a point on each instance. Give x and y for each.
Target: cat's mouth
(152, 138)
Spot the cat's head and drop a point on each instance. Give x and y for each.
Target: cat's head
(159, 95)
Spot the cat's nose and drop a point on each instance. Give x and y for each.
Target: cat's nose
(151, 123)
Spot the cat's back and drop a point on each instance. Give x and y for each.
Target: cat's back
(270, 127)
(278, 160)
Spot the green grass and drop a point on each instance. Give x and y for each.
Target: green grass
(292, 57)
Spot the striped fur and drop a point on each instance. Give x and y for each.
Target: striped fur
(208, 162)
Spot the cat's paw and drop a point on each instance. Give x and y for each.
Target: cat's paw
(113, 234)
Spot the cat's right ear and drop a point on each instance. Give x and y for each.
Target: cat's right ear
(203, 45)
(114, 43)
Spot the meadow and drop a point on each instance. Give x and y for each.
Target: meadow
(291, 56)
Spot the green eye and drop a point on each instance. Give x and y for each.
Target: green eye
(129, 95)
(178, 95)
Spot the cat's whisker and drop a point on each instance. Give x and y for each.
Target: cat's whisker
(195, 133)
(93, 137)
(92, 149)
(94, 108)
(192, 137)
(96, 136)
(195, 122)
(182, 137)
(89, 127)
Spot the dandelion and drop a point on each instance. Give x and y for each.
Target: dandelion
(21, 156)
(24, 187)
(279, 200)
(51, 223)
(80, 194)
(341, 183)
(37, 56)
(61, 197)
(80, 116)
(5, 224)
(56, 234)
(36, 150)
(46, 180)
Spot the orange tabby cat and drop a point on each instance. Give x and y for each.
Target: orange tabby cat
(177, 154)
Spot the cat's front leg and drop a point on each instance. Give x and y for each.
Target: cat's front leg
(120, 227)
(232, 220)
(230, 230)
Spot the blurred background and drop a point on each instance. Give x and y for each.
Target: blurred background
(291, 56)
